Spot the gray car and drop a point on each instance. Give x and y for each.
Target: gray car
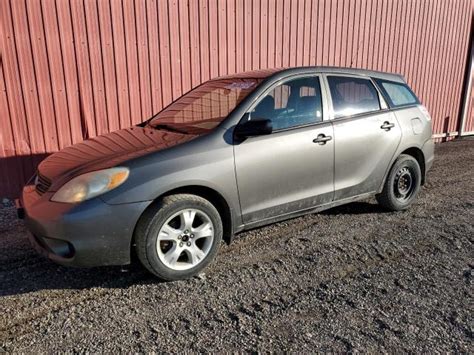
(234, 153)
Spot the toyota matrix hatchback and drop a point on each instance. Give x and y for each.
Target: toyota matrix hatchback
(234, 153)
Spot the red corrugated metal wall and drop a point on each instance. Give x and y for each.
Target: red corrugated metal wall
(469, 123)
(70, 70)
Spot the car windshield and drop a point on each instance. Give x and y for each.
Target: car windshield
(204, 107)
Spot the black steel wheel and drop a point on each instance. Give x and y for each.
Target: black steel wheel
(402, 184)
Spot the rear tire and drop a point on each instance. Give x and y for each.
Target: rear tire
(178, 237)
(402, 184)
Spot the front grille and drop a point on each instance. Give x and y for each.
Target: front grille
(42, 183)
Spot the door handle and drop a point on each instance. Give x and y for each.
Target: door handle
(387, 126)
(322, 139)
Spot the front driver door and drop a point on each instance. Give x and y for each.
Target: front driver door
(291, 169)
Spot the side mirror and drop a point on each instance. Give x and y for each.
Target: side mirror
(252, 128)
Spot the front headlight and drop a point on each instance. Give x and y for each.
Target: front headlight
(87, 186)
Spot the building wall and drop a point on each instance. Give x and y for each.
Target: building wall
(469, 122)
(71, 70)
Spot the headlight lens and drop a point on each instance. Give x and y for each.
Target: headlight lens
(87, 186)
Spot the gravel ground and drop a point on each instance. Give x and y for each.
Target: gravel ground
(351, 278)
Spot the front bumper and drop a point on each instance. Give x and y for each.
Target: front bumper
(91, 233)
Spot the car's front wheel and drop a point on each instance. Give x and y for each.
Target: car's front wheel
(179, 236)
(402, 184)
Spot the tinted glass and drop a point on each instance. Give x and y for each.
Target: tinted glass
(397, 94)
(351, 96)
(204, 107)
(295, 103)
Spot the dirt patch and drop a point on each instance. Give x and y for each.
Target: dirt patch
(351, 278)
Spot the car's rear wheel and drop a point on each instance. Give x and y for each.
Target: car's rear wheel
(402, 184)
(179, 236)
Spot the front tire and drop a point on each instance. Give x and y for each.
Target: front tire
(402, 184)
(179, 236)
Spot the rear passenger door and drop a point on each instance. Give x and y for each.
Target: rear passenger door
(366, 135)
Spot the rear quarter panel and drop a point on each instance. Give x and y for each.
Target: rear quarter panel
(416, 129)
(416, 133)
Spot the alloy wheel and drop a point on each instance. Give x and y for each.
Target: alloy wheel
(185, 239)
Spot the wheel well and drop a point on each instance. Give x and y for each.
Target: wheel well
(213, 197)
(420, 158)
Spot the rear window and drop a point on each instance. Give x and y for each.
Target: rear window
(351, 96)
(397, 94)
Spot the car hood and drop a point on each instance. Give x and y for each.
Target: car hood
(107, 151)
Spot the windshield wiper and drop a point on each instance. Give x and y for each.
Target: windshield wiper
(167, 128)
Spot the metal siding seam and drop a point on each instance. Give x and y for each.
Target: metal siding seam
(8, 163)
(70, 71)
(369, 30)
(14, 95)
(294, 40)
(434, 77)
(463, 52)
(81, 49)
(163, 33)
(300, 37)
(231, 33)
(279, 34)
(314, 32)
(425, 64)
(377, 9)
(306, 32)
(121, 71)
(413, 44)
(42, 75)
(355, 38)
(443, 121)
(213, 39)
(221, 38)
(412, 39)
(421, 63)
(195, 42)
(109, 65)
(239, 37)
(445, 84)
(55, 61)
(204, 39)
(255, 46)
(349, 33)
(285, 61)
(175, 55)
(143, 47)
(154, 57)
(97, 69)
(435, 86)
(339, 15)
(27, 83)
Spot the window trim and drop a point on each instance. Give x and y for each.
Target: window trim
(382, 102)
(324, 100)
(378, 82)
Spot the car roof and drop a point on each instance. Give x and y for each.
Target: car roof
(277, 72)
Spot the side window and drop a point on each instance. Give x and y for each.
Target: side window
(294, 103)
(351, 96)
(397, 94)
